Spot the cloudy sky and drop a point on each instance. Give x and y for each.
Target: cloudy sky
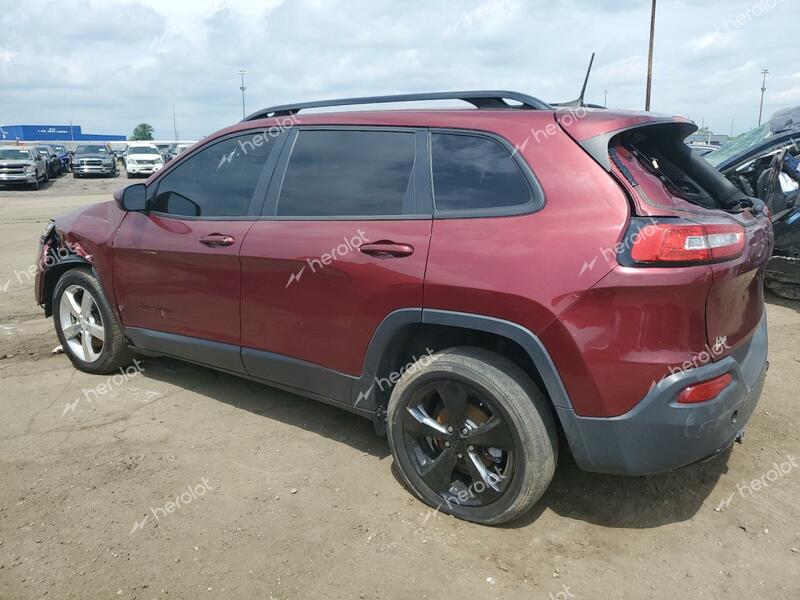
(108, 65)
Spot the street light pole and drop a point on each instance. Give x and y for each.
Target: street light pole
(763, 89)
(650, 57)
(174, 123)
(605, 98)
(243, 88)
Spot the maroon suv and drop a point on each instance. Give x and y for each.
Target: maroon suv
(475, 281)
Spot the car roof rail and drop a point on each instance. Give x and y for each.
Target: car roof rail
(481, 99)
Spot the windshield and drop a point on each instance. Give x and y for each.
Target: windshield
(91, 150)
(14, 154)
(751, 138)
(143, 150)
(60, 149)
(44, 149)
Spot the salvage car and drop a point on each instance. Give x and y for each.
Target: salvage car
(52, 158)
(142, 159)
(64, 156)
(181, 148)
(24, 165)
(118, 151)
(93, 159)
(602, 286)
(765, 162)
(164, 148)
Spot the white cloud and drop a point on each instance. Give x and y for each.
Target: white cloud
(716, 40)
(788, 96)
(111, 64)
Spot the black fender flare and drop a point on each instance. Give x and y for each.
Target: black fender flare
(363, 387)
(52, 274)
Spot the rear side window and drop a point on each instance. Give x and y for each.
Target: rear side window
(217, 181)
(347, 174)
(475, 173)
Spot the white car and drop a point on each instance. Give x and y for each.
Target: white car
(143, 159)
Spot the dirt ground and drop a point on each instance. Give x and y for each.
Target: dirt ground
(67, 185)
(180, 482)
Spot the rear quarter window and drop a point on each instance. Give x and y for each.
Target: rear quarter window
(473, 173)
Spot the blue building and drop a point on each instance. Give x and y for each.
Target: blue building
(53, 133)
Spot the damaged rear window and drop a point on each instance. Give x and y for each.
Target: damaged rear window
(664, 172)
(660, 180)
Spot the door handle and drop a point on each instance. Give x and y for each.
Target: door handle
(217, 239)
(386, 249)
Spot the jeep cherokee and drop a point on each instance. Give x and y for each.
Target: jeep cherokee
(479, 282)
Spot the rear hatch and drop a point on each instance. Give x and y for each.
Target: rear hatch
(667, 182)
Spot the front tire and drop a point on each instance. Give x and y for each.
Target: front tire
(86, 326)
(472, 435)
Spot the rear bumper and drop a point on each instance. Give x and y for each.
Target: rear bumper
(659, 434)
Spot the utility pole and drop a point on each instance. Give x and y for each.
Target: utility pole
(174, 123)
(732, 120)
(650, 57)
(243, 88)
(605, 98)
(763, 89)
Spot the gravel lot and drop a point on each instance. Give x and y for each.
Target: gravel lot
(279, 497)
(67, 185)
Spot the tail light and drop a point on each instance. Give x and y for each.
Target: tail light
(675, 241)
(705, 391)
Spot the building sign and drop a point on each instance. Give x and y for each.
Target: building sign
(54, 130)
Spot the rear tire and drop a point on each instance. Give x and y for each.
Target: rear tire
(86, 326)
(487, 472)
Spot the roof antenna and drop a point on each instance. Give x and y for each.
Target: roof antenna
(578, 102)
(586, 81)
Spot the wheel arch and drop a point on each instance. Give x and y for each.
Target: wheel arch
(54, 273)
(406, 335)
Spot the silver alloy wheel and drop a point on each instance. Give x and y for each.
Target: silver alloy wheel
(81, 323)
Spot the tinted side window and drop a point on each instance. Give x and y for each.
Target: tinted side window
(347, 173)
(473, 173)
(217, 181)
